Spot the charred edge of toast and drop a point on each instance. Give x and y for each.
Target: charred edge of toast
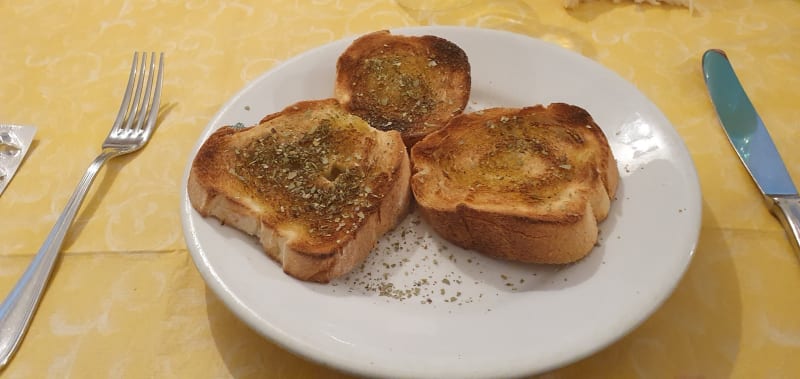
(501, 232)
(413, 84)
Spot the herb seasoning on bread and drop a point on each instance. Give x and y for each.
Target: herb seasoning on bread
(412, 84)
(316, 185)
(523, 184)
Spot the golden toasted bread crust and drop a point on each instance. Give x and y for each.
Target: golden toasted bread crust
(316, 185)
(524, 184)
(413, 84)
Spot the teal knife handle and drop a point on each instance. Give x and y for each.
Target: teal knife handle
(787, 209)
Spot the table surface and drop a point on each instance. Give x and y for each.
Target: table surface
(126, 299)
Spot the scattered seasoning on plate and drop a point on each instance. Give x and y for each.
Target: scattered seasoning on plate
(411, 263)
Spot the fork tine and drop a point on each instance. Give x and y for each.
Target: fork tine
(137, 95)
(145, 104)
(154, 105)
(123, 108)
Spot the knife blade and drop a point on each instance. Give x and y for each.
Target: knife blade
(749, 137)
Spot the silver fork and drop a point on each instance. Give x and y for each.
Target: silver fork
(131, 130)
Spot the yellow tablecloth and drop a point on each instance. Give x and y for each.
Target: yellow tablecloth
(126, 299)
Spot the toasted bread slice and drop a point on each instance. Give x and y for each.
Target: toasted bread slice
(524, 184)
(413, 84)
(316, 185)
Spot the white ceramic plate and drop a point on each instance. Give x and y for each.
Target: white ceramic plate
(420, 307)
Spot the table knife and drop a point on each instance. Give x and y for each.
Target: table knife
(751, 140)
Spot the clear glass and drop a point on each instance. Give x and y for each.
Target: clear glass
(517, 16)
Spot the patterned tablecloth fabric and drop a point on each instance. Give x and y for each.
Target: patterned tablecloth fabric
(126, 299)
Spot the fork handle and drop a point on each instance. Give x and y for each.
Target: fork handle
(19, 306)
